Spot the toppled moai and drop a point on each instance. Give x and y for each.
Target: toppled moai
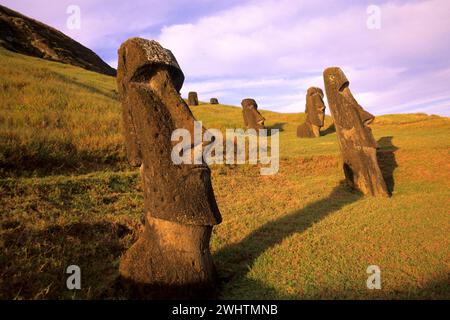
(213, 101)
(315, 114)
(192, 98)
(252, 118)
(171, 258)
(358, 146)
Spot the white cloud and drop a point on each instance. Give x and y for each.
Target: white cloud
(274, 50)
(251, 43)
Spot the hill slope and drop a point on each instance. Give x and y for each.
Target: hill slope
(68, 197)
(27, 36)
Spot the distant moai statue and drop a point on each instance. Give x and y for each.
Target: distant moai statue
(252, 118)
(315, 114)
(193, 98)
(171, 258)
(358, 146)
(213, 101)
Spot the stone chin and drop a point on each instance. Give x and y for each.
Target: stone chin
(317, 119)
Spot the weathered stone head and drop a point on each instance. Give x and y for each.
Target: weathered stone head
(180, 207)
(252, 118)
(213, 101)
(192, 98)
(358, 146)
(315, 114)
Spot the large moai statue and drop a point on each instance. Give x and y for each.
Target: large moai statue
(252, 118)
(358, 146)
(213, 101)
(171, 258)
(315, 114)
(192, 98)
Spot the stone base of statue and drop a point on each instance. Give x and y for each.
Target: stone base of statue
(306, 130)
(169, 261)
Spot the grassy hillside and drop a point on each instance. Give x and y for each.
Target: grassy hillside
(68, 197)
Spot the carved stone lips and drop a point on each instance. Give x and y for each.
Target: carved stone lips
(368, 121)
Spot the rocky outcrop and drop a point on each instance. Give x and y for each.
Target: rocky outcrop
(27, 36)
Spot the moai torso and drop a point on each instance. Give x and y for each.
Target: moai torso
(152, 109)
(358, 146)
(252, 118)
(315, 114)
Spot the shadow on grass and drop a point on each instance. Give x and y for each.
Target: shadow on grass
(331, 129)
(235, 261)
(73, 81)
(57, 158)
(33, 263)
(278, 126)
(386, 160)
(436, 289)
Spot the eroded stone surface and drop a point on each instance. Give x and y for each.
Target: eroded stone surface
(315, 114)
(358, 146)
(193, 98)
(180, 207)
(213, 101)
(24, 35)
(252, 118)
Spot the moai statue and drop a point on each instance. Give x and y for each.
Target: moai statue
(171, 258)
(193, 98)
(252, 118)
(213, 101)
(358, 146)
(315, 114)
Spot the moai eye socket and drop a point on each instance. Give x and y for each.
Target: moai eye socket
(344, 86)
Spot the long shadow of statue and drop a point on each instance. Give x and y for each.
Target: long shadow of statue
(233, 262)
(331, 129)
(278, 126)
(386, 160)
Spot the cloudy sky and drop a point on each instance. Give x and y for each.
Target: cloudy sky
(274, 50)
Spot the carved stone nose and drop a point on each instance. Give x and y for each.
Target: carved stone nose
(366, 117)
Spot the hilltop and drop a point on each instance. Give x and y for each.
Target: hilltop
(68, 196)
(24, 35)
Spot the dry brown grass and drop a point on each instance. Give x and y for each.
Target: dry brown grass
(67, 197)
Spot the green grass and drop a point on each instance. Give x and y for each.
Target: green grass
(68, 197)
